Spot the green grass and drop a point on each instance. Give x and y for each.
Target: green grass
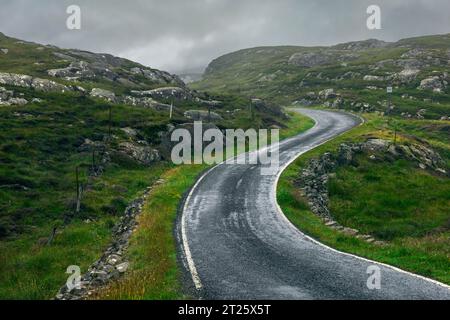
(396, 203)
(297, 123)
(39, 151)
(390, 200)
(29, 270)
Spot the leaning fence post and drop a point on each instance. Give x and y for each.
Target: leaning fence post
(77, 209)
(52, 236)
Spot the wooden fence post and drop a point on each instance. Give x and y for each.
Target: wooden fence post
(78, 204)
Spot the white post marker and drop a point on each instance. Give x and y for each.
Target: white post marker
(171, 110)
(389, 91)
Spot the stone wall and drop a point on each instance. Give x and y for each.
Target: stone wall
(113, 263)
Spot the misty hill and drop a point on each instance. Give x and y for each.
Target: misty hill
(352, 75)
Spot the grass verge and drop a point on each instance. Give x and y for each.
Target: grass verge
(155, 273)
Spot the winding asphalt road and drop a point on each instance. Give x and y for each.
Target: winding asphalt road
(237, 244)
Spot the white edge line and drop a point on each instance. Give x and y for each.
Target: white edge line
(187, 250)
(280, 211)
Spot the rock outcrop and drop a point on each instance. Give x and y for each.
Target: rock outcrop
(313, 180)
(303, 102)
(77, 70)
(374, 78)
(362, 45)
(320, 58)
(407, 75)
(146, 99)
(310, 59)
(103, 94)
(435, 83)
(165, 93)
(140, 152)
(201, 115)
(145, 102)
(25, 81)
(87, 65)
(7, 98)
(157, 76)
(327, 94)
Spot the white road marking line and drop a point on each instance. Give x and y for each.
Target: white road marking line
(187, 250)
(238, 184)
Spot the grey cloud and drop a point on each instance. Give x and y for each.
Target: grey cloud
(186, 34)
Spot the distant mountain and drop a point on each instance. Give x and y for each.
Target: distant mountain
(351, 75)
(190, 77)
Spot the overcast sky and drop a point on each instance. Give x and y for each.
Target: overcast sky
(177, 35)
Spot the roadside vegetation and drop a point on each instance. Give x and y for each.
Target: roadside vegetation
(39, 156)
(155, 272)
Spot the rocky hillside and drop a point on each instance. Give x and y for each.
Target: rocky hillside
(51, 69)
(48, 69)
(350, 76)
(73, 66)
(66, 108)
